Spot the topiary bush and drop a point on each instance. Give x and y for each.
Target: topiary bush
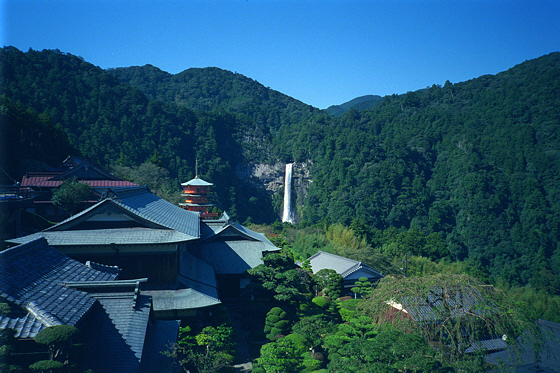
(276, 323)
(46, 366)
(57, 338)
(321, 302)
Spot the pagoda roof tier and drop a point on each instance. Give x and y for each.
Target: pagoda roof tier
(196, 182)
(196, 204)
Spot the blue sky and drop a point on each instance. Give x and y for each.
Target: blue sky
(320, 52)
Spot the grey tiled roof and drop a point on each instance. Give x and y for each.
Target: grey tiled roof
(33, 275)
(231, 257)
(494, 344)
(343, 266)
(530, 355)
(103, 206)
(159, 210)
(254, 235)
(431, 308)
(225, 226)
(161, 334)
(131, 320)
(124, 236)
(116, 331)
(180, 299)
(158, 222)
(197, 274)
(25, 327)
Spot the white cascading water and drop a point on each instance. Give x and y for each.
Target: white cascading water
(287, 214)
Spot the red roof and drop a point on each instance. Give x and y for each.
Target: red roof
(45, 181)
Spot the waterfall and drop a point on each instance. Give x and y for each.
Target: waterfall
(287, 214)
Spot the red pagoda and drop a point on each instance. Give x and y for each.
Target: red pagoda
(198, 197)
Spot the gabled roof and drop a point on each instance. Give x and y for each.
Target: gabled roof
(32, 276)
(157, 209)
(119, 331)
(180, 299)
(232, 257)
(84, 172)
(106, 207)
(148, 219)
(224, 227)
(49, 288)
(72, 161)
(34, 180)
(531, 355)
(230, 247)
(96, 237)
(161, 335)
(196, 182)
(431, 308)
(343, 266)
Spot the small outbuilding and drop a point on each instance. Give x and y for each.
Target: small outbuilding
(350, 270)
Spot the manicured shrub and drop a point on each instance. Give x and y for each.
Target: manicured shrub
(321, 302)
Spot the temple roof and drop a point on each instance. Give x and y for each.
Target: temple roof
(33, 275)
(343, 266)
(196, 182)
(121, 236)
(118, 330)
(131, 216)
(232, 257)
(84, 172)
(45, 288)
(157, 209)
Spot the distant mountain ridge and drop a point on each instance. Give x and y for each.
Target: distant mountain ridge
(473, 165)
(359, 103)
(212, 88)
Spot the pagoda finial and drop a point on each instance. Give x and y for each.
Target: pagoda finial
(196, 168)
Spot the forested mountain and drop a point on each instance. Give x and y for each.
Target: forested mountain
(473, 165)
(113, 124)
(359, 103)
(478, 162)
(211, 89)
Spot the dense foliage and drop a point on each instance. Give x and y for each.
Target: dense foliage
(114, 124)
(463, 172)
(207, 351)
(475, 162)
(359, 103)
(211, 89)
(71, 195)
(451, 314)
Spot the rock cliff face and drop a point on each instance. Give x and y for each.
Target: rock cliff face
(271, 178)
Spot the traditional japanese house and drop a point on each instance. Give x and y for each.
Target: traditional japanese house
(186, 259)
(44, 288)
(41, 184)
(231, 249)
(350, 270)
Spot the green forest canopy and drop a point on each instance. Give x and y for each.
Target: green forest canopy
(476, 162)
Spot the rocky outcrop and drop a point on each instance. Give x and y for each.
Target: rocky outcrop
(271, 178)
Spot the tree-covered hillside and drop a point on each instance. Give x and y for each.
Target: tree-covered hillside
(115, 124)
(476, 163)
(214, 89)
